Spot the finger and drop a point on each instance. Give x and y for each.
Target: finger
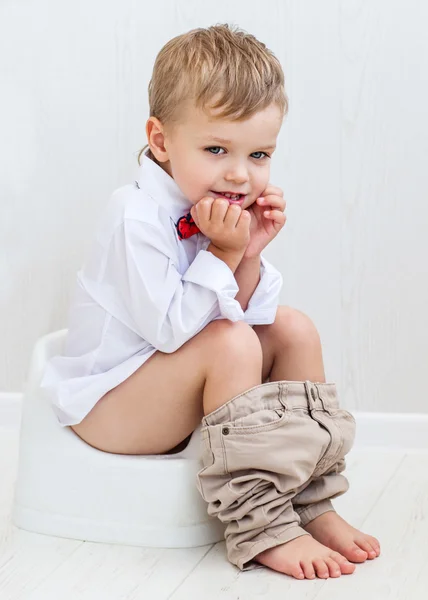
(273, 189)
(194, 215)
(203, 208)
(244, 219)
(272, 200)
(218, 211)
(232, 216)
(204, 200)
(275, 215)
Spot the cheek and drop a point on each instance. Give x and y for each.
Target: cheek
(202, 175)
(189, 176)
(260, 181)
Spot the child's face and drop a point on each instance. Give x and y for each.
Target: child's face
(238, 163)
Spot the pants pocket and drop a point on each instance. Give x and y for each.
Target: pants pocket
(347, 425)
(260, 420)
(288, 446)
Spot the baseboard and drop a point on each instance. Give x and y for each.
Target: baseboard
(406, 431)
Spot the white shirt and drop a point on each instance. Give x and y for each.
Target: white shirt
(140, 290)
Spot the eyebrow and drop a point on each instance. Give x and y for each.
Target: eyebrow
(224, 141)
(217, 139)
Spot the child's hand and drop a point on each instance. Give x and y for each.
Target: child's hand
(264, 227)
(227, 226)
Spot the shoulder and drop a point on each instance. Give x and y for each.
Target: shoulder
(129, 202)
(140, 221)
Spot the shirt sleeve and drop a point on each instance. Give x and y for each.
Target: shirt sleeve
(263, 304)
(141, 286)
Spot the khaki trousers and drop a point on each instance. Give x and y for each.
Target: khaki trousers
(273, 459)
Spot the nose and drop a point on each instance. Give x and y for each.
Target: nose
(237, 173)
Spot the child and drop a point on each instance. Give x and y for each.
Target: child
(175, 318)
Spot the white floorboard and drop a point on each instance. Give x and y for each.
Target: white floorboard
(388, 497)
(26, 559)
(399, 519)
(216, 578)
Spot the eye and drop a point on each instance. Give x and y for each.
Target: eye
(260, 157)
(212, 149)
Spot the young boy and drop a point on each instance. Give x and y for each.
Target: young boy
(176, 318)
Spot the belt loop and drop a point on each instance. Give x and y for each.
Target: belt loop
(282, 393)
(309, 396)
(321, 399)
(315, 401)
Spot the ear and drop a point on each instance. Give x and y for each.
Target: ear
(156, 139)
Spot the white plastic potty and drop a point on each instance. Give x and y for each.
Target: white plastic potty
(69, 489)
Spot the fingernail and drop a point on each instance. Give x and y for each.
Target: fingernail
(267, 212)
(261, 199)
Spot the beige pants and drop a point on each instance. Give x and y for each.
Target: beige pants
(273, 458)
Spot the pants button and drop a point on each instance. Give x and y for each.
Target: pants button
(225, 431)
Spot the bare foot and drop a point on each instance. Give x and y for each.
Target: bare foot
(305, 557)
(333, 531)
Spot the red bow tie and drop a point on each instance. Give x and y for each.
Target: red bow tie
(186, 227)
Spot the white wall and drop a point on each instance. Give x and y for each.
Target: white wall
(353, 161)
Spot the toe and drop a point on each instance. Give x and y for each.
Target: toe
(308, 569)
(345, 566)
(374, 544)
(296, 572)
(333, 567)
(321, 569)
(354, 553)
(367, 547)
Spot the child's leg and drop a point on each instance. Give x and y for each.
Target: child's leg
(260, 450)
(292, 350)
(158, 406)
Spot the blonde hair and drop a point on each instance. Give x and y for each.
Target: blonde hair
(220, 60)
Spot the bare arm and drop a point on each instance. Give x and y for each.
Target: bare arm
(247, 276)
(246, 271)
(232, 259)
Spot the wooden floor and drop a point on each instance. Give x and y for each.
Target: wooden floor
(388, 498)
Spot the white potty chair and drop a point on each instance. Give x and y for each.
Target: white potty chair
(68, 489)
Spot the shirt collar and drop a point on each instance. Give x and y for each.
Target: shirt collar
(162, 187)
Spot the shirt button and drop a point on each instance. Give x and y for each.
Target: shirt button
(225, 431)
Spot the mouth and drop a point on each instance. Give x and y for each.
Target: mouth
(231, 197)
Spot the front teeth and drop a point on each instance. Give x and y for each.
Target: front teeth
(233, 196)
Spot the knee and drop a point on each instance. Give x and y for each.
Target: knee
(235, 341)
(294, 328)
